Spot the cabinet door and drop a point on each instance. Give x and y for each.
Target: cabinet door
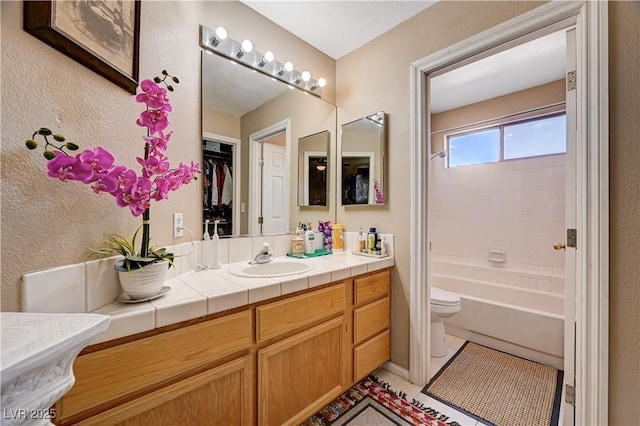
(220, 396)
(300, 375)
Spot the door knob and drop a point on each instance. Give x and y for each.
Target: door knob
(559, 246)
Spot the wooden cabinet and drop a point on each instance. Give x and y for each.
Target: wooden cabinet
(219, 396)
(301, 374)
(273, 362)
(371, 323)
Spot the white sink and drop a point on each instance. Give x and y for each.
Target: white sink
(38, 351)
(275, 268)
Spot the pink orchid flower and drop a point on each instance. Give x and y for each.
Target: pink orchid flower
(66, 168)
(155, 120)
(153, 95)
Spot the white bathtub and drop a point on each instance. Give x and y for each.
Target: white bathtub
(526, 323)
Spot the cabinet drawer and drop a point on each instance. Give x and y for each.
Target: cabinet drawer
(370, 319)
(370, 355)
(220, 396)
(112, 374)
(371, 287)
(278, 318)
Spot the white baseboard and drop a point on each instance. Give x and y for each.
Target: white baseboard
(397, 370)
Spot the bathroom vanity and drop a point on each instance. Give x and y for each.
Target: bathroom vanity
(274, 362)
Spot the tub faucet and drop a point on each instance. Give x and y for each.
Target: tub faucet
(263, 255)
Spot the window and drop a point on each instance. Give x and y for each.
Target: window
(523, 139)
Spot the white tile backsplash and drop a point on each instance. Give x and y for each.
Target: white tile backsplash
(103, 285)
(241, 249)
(57, 290)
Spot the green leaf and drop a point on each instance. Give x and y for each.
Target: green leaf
(44, 131)
(32, 144)
(49, 155)
(59, 137)
(71, 146)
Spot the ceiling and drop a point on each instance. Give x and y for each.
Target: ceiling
(339, 27)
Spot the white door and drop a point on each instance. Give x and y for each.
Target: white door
(571, 223)
(275, 214)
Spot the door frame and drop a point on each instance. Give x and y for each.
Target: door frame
(237, 155)
(255, 181)
(592, 260)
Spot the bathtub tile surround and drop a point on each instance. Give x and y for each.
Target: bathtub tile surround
(94, 287)
(515, 207)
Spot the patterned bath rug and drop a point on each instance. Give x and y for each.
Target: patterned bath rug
(498, 388)
(372, 402)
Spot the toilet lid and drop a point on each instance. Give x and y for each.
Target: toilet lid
(442, 297)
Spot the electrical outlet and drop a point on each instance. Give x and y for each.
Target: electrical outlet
(177, 225)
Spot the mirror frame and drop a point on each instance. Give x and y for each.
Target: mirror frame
(376, 187)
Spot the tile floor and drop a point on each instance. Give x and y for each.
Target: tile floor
(413, 391)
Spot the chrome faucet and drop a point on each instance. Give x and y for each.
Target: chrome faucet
(263, 255)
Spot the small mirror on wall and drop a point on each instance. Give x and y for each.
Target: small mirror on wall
(362, 160)
(313, 169)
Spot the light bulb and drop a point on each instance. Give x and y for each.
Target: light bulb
(288, 66)
(305, 75)
(322, 82)
(219, 35)
(245, 47)
(266, 58)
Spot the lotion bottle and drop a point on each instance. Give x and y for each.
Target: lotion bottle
(362, 242)
(309, 241)
(297, 243)
(371, 240)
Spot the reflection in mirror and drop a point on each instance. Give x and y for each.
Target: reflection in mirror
(313, 156)
(241, 111)
(362, 160)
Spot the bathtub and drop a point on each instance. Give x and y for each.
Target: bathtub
(519, 321)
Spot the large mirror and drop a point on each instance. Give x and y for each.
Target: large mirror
(252, 127)
(362, 160)
(313, 169)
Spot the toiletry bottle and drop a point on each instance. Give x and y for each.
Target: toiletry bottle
(371, 240)
(215, 264)
(309, 241)
(297, 243)
(207, 246)
(362, 242)
(383, 246)
(338, 237)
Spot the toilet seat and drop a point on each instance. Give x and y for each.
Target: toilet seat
(443, 298)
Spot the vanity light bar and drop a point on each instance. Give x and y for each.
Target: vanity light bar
(218, 42)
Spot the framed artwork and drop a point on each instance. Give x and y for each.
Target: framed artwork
(102, 35)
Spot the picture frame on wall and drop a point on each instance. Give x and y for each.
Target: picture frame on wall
(102, 35)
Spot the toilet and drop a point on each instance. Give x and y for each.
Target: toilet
(443, 304)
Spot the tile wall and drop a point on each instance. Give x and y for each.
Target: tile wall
(88, 286)
(515, 209)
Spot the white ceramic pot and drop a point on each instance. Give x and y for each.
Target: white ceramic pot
(145, 282)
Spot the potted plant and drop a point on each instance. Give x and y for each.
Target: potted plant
(98, 169)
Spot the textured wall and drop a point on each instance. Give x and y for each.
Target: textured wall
(376, 77)
(361, 91)
(48, 223)
(624, 213)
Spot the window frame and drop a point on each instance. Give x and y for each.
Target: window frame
(500, 127)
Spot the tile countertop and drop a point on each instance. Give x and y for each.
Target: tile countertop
(196, 294)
